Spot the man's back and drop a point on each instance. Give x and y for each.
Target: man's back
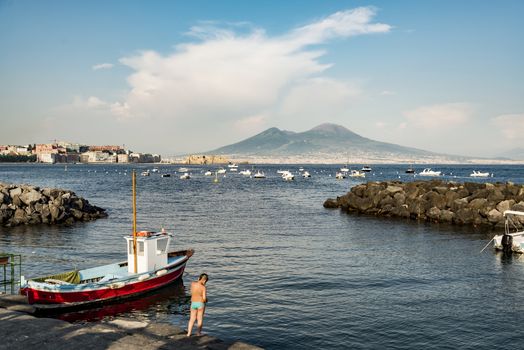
(197, 292)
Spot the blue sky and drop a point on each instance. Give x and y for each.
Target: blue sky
(174, 77)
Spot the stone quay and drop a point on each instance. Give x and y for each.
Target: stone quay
(26, 205)
(466, 203)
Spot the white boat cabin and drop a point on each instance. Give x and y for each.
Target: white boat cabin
(151, 251)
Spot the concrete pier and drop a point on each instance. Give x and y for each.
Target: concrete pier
(20, 329)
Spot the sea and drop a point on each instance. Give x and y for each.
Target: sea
(286, 273)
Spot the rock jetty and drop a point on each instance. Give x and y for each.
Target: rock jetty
(437, 201)
(26, 205)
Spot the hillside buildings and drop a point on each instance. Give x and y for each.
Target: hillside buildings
(65, 152)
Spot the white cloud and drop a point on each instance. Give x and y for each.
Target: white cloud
(510, 125)
(103, 66)
(441, 116)
(238, 73)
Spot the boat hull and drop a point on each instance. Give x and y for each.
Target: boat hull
(100, 293)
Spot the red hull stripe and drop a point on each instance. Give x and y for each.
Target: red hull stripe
(35, 296)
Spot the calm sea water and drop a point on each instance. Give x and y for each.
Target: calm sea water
(284, 271)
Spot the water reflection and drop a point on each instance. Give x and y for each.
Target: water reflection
(171, 299)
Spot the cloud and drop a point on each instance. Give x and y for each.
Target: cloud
(235, 72)
(440, 116)
(103, 66)
(510, 125)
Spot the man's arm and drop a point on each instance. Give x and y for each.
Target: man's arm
(204, 294)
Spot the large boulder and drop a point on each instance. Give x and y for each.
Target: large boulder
(30, 197)
(505, 205)
(495, 216)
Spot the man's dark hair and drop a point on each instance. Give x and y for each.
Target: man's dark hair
(203, 275)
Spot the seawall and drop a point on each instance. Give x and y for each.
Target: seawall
(438, 201)
(21, 330)
(26, 205)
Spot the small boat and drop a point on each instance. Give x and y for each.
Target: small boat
(208, 173)
(366, 169)
(149, 266)
(410, 170)
(288, 176)
(185, 176)
(145, 173)
(246, 172)
(429, 172)
(155, 170)
(259, 175)
(344, 169)
(479, 174)
(306, 174)
(232, 167)
(512, 241)
(183, 170)
(221, 171)
(357, 173)
(340, 175)
(300, 169)
(166, 175)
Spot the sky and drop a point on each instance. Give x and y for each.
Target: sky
(174, 77)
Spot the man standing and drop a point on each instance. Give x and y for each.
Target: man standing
(198, 303)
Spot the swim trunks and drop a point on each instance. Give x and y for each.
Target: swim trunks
(195, 305)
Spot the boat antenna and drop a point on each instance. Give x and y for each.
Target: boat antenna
(134, 219)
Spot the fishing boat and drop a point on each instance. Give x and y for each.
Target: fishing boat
(221, 171)
(165, 175)
(185, 176)
(149, 266)
(306, 174)
(476, 173)
(344, 169)
(232, 167)
(366, 169)
(155, 170)
(429, 172)
(512, 241)
(340, 176)
(183, 170)
(245, 172)
(208, 173)
(145, 173)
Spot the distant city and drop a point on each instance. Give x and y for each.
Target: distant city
(65, 152)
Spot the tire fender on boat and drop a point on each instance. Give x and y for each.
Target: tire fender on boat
(143, 277)
(161, 272)
(117, 285)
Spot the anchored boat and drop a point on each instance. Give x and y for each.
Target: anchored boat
(149, 266)
(512, 241)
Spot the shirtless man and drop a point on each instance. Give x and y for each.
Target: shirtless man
(198, 303)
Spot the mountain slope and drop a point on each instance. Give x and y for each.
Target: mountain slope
(321, 140)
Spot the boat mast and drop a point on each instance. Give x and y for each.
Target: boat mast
(134, 219)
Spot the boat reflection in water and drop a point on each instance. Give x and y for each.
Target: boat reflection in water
(171, 299)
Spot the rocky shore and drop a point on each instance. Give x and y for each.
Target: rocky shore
(437, 201)
(26, 205)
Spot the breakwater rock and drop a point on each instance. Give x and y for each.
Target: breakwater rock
(24, 205)
(438, 201)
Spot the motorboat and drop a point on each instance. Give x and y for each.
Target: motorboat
(410, 170)
(306, 174)
(183, 170)
(288, 176)
(245, 172)
(300, 169)
(149, 266)
(221, 171)
(232, 167)
(357, 173)
(145, 173)
(155, 170)
(340, 175)
(366, 169)
(259, 175)
(165, 175)
(185, 176)
(208, 173)
(344, 169)
(476, 173)
(512, 241)
(429, 172)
